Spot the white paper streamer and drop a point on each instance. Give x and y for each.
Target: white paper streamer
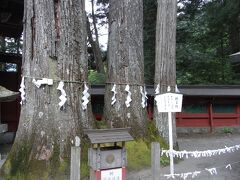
(157, 90)
(77, 141)
(22, 90)
(229, 166)
(85, 97)
(128, 99)
(62, 98)
(198, 154)
(176, 89)
(212, 171)
(46, 81)
(168, 176)
(168, 89)
(195, 174)
(185, 175)
(144, 96)
(114, 94)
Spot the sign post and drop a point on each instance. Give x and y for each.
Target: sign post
(170, 142)
(169, 102)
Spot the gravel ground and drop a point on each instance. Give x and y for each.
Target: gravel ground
(195, 142)
(202, 142)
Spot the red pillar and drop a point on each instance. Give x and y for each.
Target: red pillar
(123, 173)
(98, 175)
(211, 117)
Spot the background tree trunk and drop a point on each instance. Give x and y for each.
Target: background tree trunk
(96, 50)
(54, 47)
(125, 65)
(3, 50)
(165, 63)
(2, 44)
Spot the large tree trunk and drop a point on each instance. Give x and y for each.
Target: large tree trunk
(96, 50)
(234, 37)
(125, 65)
(165, 63)
(54, 47)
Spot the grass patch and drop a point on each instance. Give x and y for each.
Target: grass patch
(227, 130)
(138, 155)
(84, 160)
(139, 151)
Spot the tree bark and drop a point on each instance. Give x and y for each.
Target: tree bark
(234, 36)
(2, 44)
(54, 47)
(165, 63)
(125, 66)
(96, 50)
(3, 50)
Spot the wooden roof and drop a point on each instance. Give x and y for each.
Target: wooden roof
(98, 136)
(213, 90)
(11, 15)
(235, 58)
(7, 95)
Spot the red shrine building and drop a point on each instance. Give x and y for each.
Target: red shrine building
(204, 107)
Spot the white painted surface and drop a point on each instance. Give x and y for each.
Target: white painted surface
(112, 174)
(169, 102)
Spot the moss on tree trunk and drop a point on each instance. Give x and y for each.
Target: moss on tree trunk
(55, 48)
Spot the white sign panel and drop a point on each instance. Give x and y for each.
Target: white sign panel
(169, 102)
(112, 174)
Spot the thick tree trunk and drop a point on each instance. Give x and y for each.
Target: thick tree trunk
(234, 37)
(96, 50)
(165, 63)
(55, 48)
(125, 65)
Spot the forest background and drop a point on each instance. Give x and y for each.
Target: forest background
(208, 31)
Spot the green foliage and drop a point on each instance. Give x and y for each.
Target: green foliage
(153, 136)
(204, 43)
(96, 78)
(227, 130)
(139, 151)
(101, 124)
(10, 45)
(138, 155)
(207, 33)
(84, 160)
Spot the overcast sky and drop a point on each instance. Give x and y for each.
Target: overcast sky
(102, 30)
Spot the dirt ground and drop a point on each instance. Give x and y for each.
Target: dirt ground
(202, 142)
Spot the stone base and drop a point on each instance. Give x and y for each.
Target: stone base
(7, 138)
(203, 130)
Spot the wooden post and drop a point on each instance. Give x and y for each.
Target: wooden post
(155, 159)
(75, 163)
